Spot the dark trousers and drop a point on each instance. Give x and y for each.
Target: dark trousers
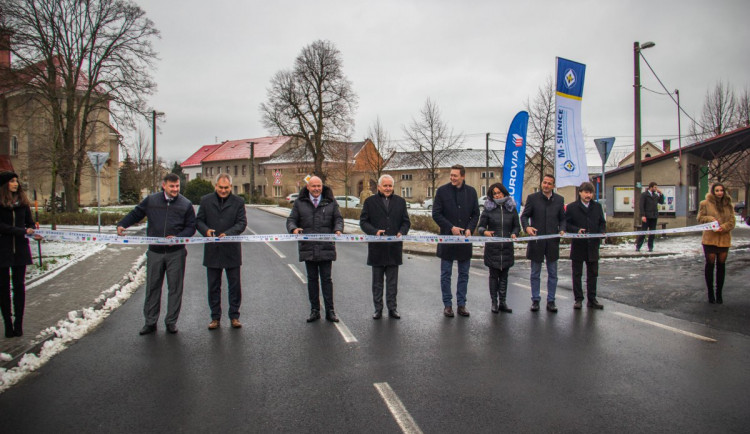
(319, 277)
(498, 284)
(390, 273)
(592, 272)
(158, 265)
(213, 276)
(648, 225)
(19, 292)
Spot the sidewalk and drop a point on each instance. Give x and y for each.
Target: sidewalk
(76, 287)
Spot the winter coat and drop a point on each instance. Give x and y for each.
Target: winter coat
(165, 217)
(225, 216)
(722, 211)
(578, 216)
(504, 223)
(325, 219)
(394, 220)
(649, 206)
(455, 207)
(14, 246)
(547, 216)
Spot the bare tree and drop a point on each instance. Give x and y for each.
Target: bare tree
(743, 108)
(382, 141)
(341, 163)
(76, 60)
(313, 102)
(432, 139)
(541, 134)
(139, 151)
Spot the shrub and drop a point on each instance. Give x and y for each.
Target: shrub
(424, 223)
(197, 188)
(81, 218)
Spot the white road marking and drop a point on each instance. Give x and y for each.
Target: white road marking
(477, 273)
(298, 273)
(397, 409)
(521, 285)
(345, 332)
(665, 327)
(275, 250)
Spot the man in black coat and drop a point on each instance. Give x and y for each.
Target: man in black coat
(316, 212)
(456, 211)
(170, 215)
(585, 216)
(649, 207)
(385, 214)
(220, 214)
(544, 214)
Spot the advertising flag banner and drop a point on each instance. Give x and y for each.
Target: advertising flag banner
(514, 162)
(570, 152)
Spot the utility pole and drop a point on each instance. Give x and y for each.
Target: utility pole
(637, 134)
(252, 171)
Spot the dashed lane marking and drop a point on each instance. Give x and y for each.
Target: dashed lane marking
(345, 332)
(397, 409)
(298, 273)
(665, 327)
(275, 250)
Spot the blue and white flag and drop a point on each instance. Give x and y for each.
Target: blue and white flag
(514, 162)
(570, 151)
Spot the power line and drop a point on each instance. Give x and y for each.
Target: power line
(665, 88)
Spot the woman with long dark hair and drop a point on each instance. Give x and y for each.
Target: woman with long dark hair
(15, 254)
(717, 207)
(499, 219)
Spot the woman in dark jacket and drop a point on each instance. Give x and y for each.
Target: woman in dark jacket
(499, 219)
(15, 254)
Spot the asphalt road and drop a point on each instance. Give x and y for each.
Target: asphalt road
(617, 370)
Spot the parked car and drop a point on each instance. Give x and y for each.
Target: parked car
(481, 203)
(427, 203)
(292, 197)
(739, 207)
(347, 201)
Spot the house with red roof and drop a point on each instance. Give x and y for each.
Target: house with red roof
(192, 166)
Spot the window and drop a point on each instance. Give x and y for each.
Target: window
(406, 176)
(429, 191)
(218, 170)
(14, 145)
(405, 191)
(228, 170)
(484, 175)
(277, 191)
(484, 191)
(211, 171)
(235, 187)
(235, 172)
(244, 169)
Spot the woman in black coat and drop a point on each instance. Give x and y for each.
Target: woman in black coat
(15, 254)
(499, 219)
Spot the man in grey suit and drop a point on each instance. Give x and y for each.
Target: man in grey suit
(220, 214)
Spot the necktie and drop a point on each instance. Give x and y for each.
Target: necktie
(315, 202)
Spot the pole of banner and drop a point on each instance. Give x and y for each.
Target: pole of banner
(36, 217)
(487, 165)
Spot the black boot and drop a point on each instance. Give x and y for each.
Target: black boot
(9, 333)
(493, 292)
(7, 320)
(503, 292)
(709, 275)
(18, 326)
(720, 270)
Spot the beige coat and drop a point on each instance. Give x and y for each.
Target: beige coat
(722, 211)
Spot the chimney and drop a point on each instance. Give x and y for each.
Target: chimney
(667, 145)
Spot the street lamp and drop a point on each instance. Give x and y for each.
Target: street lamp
(154, 114)
(637, 115)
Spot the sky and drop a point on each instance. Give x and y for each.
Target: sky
(480, 61)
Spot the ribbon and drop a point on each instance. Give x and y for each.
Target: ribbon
(343, 238)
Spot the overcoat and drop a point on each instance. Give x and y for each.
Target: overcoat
(578, 216)
(325, 219)
(723, 212)
(455, 207)
(394, 220)
(547, 216)
(14, 246)
(504, 223)
(225, 216)
(650, 204)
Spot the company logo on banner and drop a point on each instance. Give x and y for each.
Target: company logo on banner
(570, 151)
(514, 162)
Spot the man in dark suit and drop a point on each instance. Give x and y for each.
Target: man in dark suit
(220, 214)
(544, 214)
(456, 211)
(385, 214)
(585, 216)
(649, 207)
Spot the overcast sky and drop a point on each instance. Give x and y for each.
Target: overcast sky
(478, 60)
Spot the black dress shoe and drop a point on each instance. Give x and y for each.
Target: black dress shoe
(378, 314)
(314, 315)
(577, 304)
(394, 314)
(535, 306)
(494, 307)
(171, 328)
(331, 316)
(551, 307)
(147, 329)
(594, 304)
(504, 308)
(463, 311)
(448, 311)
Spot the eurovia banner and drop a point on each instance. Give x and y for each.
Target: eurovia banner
(570, 152)
(514, 161)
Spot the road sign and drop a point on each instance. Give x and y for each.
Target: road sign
(277, 177)
(98, 159)
(604, 146)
